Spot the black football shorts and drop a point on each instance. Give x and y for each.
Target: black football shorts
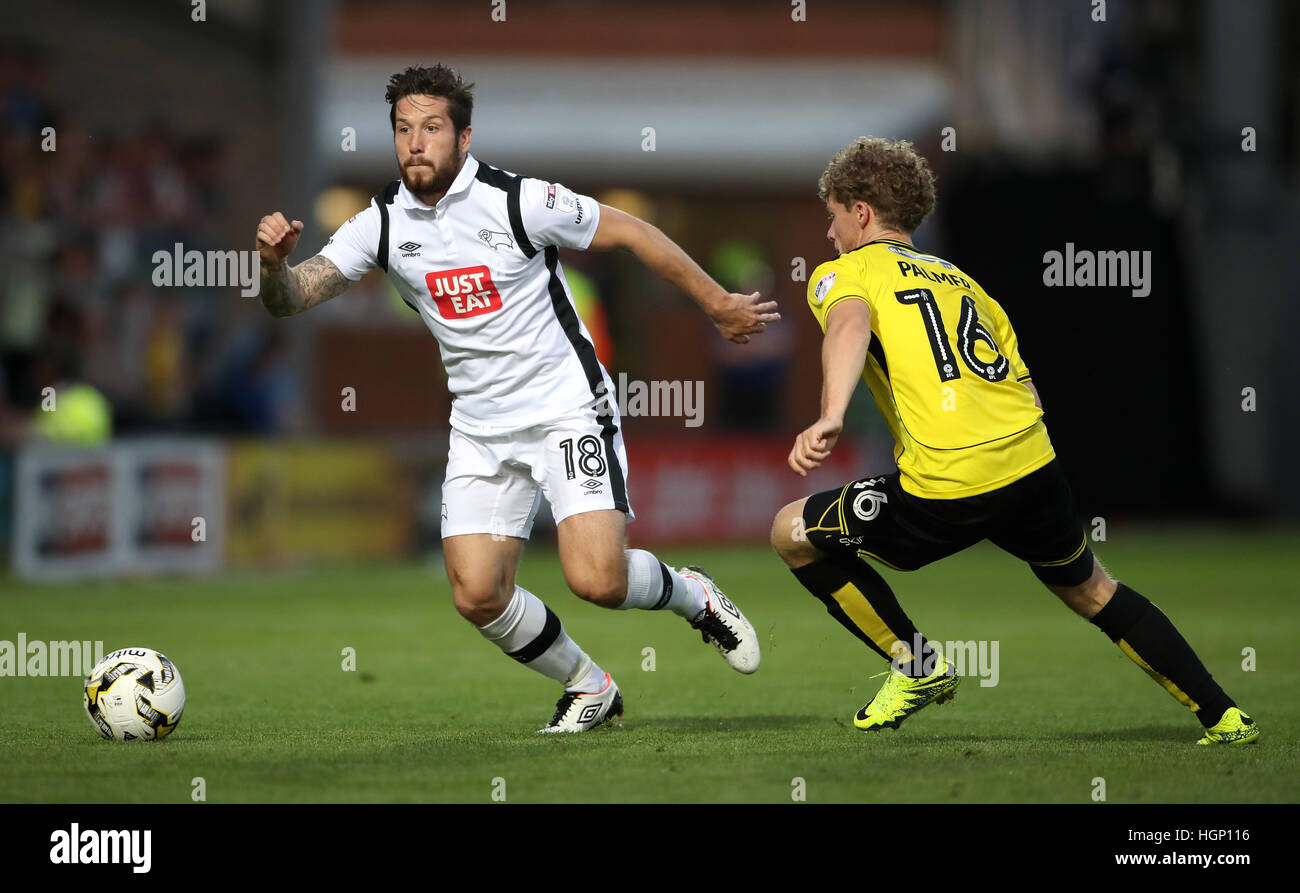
(1033, 518)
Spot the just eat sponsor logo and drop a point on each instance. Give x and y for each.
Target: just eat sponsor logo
(464, 292)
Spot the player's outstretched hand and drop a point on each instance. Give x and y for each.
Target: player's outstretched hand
(739, 316)
(276, 237)
(814, 445)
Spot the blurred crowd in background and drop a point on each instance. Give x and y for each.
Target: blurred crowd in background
(81, 215)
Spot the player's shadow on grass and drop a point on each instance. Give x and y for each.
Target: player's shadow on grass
(1177, 734)
(724, 724)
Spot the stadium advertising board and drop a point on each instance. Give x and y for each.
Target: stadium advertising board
(305, 501)
(132, 507)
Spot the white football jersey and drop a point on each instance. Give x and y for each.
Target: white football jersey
(482, 268)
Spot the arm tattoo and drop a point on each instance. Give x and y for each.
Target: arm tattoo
(278, 289)
(288, 290)
(319, 280)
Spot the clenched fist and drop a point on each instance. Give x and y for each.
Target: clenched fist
(276, 237)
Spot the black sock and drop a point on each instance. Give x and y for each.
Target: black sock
(1147, 636)
(861, 600)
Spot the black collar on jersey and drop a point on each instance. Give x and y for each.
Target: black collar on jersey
(883, 242)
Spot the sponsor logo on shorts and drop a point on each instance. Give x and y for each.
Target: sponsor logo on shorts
(876, 500)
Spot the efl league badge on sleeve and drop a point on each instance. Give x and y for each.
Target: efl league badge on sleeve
(561, 194)
(823, 287)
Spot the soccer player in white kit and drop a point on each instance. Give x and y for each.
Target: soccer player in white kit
(474, 250)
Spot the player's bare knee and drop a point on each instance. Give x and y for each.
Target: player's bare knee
(480, 605)
(480, 596)
(606, 593)
(609, 590)
(783, 528)
(788, 537)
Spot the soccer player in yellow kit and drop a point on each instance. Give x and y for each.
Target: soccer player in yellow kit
(974, 459)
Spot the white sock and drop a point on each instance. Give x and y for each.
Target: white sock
(653, 586)
(588, 677)
(530, 632)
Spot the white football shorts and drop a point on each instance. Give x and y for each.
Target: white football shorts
(495, 483)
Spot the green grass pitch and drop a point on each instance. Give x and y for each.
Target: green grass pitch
(433, 713)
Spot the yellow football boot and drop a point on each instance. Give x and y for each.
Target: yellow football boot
(1234, 727)
(901, 696)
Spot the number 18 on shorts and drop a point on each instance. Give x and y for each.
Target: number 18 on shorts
(495, 483)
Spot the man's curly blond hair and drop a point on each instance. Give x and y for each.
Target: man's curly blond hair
(888, 175)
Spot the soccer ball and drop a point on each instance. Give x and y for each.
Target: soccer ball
(134, 694)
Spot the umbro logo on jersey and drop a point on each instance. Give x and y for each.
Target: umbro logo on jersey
(495, 239)
(409, 248)
(463, 292)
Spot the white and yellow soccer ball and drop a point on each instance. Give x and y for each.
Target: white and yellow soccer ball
(135, 694)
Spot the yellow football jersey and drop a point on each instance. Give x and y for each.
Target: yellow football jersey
(944, 368)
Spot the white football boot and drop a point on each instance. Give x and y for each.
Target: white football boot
(723, 626)
(578, 711)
